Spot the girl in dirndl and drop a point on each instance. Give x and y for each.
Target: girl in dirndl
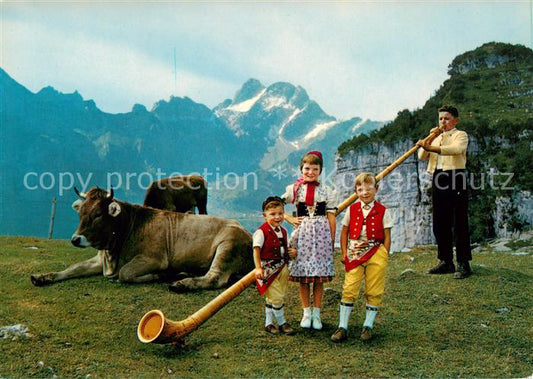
(314, 236)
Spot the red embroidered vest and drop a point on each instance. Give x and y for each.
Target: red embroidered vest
(374, 222)
(271, 248)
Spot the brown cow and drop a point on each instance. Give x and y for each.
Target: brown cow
(178, 194)
(145, 244)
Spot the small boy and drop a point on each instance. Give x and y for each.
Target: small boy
(271, 257)
(365, 243)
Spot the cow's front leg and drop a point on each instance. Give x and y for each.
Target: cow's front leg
(92, 266)
(141, 269)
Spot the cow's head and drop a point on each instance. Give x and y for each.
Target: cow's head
(98, 219)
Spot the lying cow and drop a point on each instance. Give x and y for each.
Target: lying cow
(178, 194)
(140, 244)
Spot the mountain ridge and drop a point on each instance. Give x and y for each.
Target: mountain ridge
(55, 136)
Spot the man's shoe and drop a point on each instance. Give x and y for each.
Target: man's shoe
(366, 333)
(442, 268)
(463, 271)
(340, 335)
(286, 329)
(271, 329)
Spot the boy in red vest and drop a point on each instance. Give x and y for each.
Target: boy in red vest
(271, 258)
(365, 243)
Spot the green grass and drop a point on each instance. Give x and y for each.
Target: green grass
(428, 326)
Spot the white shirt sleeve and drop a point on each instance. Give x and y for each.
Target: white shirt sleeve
(288, 195)
(387, 219)
(258, 238)
(331, 200)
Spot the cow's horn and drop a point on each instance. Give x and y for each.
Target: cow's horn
(110, 194)
(154, 327)
(83, 195)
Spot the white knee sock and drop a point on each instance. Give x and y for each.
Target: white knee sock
(371, 312)
(278, 312)
(344, 314)
(269, 315)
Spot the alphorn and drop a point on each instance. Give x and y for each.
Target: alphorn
(155, 327)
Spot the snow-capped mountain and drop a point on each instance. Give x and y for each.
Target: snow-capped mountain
(259, 136)
(280, 122)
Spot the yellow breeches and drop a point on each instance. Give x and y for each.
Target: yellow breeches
(275, 294)
(373, 273)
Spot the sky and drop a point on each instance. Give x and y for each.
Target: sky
(369, 59)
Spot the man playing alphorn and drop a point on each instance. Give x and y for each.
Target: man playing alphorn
(447, 163)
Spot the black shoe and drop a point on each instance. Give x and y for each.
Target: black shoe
(442, 268)
(463, 271)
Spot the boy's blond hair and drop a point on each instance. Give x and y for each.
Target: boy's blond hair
(365, 178)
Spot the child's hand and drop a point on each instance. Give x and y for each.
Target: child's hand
(293, 253)
(298, 221)
(290, 219)
(259, 273)
(295, 221)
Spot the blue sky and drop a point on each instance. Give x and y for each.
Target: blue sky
(368, 59)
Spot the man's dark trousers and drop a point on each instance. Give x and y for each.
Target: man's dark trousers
(450, 215)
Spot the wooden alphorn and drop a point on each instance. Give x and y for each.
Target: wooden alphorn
(154, 327)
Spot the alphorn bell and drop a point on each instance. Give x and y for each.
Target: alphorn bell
(154, 327)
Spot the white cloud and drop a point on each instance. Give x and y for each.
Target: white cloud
(367, 59)
(111, 73)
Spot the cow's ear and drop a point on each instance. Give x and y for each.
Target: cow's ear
(114, 209)
(77, 205)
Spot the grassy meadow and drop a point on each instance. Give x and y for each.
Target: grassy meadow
(428, 326)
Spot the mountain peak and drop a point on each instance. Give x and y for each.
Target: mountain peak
(295, 95)
(8, 85)
(251, 88)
